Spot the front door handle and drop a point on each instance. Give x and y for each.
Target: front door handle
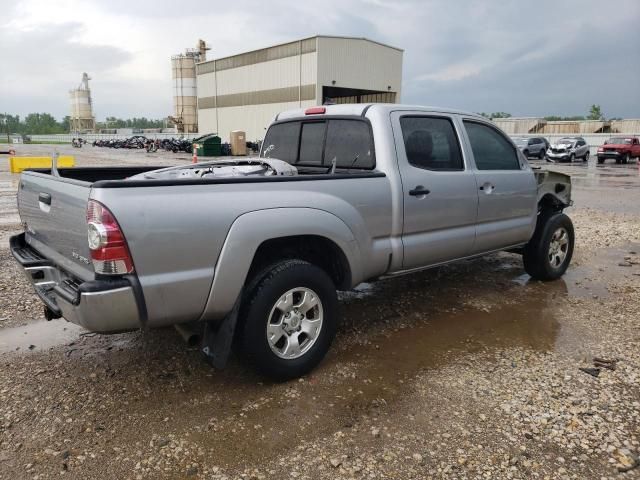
(44, 198)
(419, 191)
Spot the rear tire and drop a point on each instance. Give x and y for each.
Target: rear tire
(572, 158)
(548, 253)
(273, 334)
(542, 154)
(600, 160)
(586, 157)
(627, 158)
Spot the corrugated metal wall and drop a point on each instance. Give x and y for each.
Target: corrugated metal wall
(361, 64)
(249, 96)
(626, 126)
(521, 126)
(518, 125)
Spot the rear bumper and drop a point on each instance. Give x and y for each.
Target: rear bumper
(105, 306)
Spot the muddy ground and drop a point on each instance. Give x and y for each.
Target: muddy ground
(465, 371)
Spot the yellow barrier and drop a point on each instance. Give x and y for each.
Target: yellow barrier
(17, 164)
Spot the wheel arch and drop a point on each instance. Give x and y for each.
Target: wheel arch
(259, 237)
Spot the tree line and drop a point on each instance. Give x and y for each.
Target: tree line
(45, 123)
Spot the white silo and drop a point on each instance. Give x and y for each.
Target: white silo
(82, 119)
(185, 95)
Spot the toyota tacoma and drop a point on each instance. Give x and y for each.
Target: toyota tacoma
(250, 252)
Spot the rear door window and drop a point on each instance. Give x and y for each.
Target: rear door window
(350, 143)
(431, 143)
(281, 142)
(491, 149)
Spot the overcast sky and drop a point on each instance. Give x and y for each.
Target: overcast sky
(527, 58)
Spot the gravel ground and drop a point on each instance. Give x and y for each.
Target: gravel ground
(465, 371)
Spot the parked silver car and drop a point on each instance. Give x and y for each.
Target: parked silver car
(567, 149)
(532, 147)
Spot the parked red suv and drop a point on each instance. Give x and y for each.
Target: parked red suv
(622, 149)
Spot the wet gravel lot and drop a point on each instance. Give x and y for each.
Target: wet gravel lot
(465, 371)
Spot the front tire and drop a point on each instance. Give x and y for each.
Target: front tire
(572, 158)
(289, 319)
(548, 253)
(542, 154)
(586, 157)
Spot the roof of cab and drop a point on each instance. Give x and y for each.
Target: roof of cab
(357, 109)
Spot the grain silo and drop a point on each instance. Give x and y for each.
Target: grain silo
(82, 119)
(185, 95)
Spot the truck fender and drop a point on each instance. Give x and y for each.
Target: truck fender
(251, 229)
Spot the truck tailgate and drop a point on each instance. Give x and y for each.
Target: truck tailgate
(53, 212)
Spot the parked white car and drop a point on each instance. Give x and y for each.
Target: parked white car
(568, 149)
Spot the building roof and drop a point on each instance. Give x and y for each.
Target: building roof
(302, 40)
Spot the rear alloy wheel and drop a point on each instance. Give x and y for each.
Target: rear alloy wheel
(548, 253)
(289, 319)
(586, 157)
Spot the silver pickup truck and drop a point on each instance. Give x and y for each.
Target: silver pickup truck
(250, 252)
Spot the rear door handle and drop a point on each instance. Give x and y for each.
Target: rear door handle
(419, 191)
(44, 198)
(487, 187)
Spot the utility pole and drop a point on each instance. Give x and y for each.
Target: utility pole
(6, 124)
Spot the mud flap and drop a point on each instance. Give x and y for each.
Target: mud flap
(218, 337)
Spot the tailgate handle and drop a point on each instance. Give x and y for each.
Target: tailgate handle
(45, 198)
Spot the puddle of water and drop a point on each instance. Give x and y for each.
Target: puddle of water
(38, 336)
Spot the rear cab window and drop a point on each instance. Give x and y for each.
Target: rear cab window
(316, 143)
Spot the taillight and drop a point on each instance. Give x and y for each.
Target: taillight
(109, 251)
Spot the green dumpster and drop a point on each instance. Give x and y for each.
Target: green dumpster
(208, 146)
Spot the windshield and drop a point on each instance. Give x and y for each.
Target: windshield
(619, 141)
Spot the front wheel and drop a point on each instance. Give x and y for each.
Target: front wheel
(586, 157)
(289, 319)
(542, 153)
(572, 158)
(548, 253)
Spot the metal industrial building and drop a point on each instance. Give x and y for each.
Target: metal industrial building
(246, 91)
